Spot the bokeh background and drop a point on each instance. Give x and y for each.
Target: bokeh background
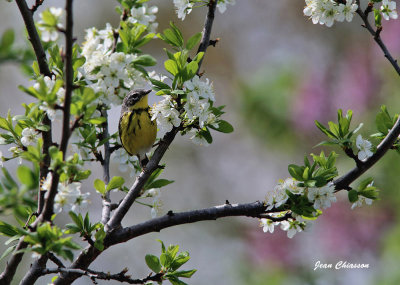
(276, 72)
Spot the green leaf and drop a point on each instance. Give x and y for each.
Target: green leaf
(178, 33)
(8, 230)
(153, 262)
(323, 129)
(97, 121)
(171, 67)
(162, 246)
(175, 281)
(100, 186)
(8, 251)
(7, 40)
(190, 70)
(223, 127)
(145, 60)
(378, 18)
(184, 273)
(27, 177)
(116, 182)
(99, 236)
(78, 219)
(160, 183)
(193, 41)
(181, 259)
(363, 184)
(296, 172)
(4, 124)
(159, 84)
(353, 196)
(171, 38)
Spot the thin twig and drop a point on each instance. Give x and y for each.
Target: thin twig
(55, 260)
(378, 40)
(8, 274)
(69, 74)
(344, 181)
(92, 274)
(105, 216)
(36, 6)
(205, 40)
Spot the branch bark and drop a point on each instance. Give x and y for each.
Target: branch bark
(68, 81)
(378, 39)
(121, 277)
(8, 274)
(205, 40)
(253, 210)
(105, 215)
(134, 192)
(344, 181)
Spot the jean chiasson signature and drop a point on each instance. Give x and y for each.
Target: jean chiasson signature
(340, 265)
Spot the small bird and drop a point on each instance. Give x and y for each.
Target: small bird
(136, 129)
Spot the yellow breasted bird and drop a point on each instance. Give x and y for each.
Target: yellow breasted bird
(136, 129)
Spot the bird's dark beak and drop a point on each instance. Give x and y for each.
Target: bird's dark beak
(147, 91)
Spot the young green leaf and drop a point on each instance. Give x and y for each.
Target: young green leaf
(193, 41)
(153, 262)
(100, 186)
(115, 182)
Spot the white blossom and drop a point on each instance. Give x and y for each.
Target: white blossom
(197, 138)
(156, 76)
(326, 12)
(70, 198)
(361, 200)
(145, 16)
(292, 227)
(49, 30)
(47, 182)
(278, 197)
(125, 161)
(322, 197)
(183, 8)
(200, 89)
(388, 9)
(157, 203)
(268, 225)
(29, 136)
(109, 73)
(346, 11)
(221, 5)
(166, 115)
(364, 147)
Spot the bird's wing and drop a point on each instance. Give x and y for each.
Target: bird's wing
(119, 129)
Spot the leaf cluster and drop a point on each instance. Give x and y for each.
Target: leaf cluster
(317, 174)
(168, 264)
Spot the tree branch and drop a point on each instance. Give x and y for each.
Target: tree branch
(253, 210)
(378, 40)
(93, 275)
(134, 192)
(205, 40)
(345, 181)
(69, 74)
(8, 274)
(35, 271)
(105, 216)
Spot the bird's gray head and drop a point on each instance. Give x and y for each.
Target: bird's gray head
(134, 96)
